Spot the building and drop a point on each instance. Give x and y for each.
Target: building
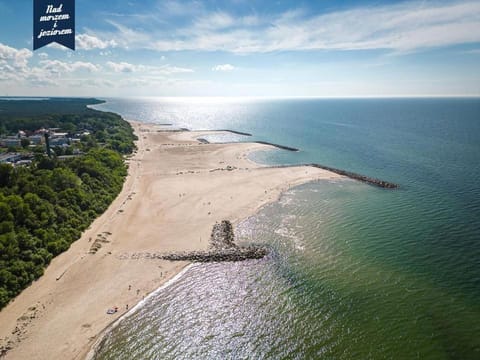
(10, 141)
(36, 139)
(10, 158)
(23, 162)
(59, 141)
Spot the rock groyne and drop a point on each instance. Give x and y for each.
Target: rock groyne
(359, 177)
(283, 147)
(237, 254)
(236, 132)
(227, 130)
(222, 248)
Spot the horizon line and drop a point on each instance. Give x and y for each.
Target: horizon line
(246, 97)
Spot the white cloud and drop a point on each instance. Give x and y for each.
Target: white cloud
(16, 69)
(224, 67)
(401, 27)
(17, 58)
(168, 70)
(58, 67)
(126, 36)
(89, 42)
(122, 67)
(152, 70)
(53, 76)
(216, 20)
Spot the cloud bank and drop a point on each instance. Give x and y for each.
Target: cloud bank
(403, 27)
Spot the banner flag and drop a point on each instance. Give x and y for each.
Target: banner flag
(53, 21)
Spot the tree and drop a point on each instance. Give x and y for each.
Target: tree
(25, 143)
(46, 206)
(6, 171)
(5, 212)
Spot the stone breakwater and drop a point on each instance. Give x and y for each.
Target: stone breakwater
(222, 248)
(238, 254)
(227, 130)
(283, 147)
(236, 132)
(278, 146)
(359, 177)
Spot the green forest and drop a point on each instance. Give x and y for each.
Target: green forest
(45, 206)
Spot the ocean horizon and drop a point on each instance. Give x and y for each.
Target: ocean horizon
(354, 271)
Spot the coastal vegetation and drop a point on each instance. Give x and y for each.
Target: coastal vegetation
(46, 205)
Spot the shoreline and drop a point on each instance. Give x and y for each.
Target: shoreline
(94, 348)
(176, 189)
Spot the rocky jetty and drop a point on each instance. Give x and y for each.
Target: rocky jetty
(236, 132)
(226, 130)
(236, 254)
(283, 147)
(359, 177)
(222, 248)
(363, 178)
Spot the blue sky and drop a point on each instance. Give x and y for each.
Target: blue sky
(248, 48)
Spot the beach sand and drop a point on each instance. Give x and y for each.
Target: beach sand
(176, 190)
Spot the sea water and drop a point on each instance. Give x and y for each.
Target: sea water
(354, 271)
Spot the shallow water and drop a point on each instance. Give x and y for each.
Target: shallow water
(354, 271)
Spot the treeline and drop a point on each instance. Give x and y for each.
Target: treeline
(45, 207)
(109, 129)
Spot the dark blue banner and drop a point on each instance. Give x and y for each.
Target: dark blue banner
(53, 21)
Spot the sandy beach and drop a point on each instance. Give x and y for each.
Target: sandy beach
(177, 188)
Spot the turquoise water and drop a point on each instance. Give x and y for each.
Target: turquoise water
(354, 271)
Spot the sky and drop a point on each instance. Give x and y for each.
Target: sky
(320, 48)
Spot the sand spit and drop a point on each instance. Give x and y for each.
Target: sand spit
(176, 190)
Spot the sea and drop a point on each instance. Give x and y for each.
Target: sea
(354, 271)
